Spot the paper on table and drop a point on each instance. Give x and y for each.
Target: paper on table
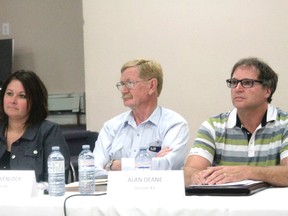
(243, 182)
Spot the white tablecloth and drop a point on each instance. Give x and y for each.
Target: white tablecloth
(272, 201)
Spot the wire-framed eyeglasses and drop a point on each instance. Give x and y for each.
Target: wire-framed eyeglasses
(129, 84)
(245, 83)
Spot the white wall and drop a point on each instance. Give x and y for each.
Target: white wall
(196, 41)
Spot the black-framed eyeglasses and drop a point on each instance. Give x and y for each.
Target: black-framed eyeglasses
(129, 84)
(245, 83)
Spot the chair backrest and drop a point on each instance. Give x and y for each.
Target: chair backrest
(75, 139)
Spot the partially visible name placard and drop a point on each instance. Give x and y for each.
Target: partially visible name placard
(17, 184)
(152, 184)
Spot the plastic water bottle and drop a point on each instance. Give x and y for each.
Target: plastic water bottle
(56, 172)
(86, 168)
(143, 160)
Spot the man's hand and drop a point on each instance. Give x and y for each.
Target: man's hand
(193, 176)
(224, 174)
(163, 152)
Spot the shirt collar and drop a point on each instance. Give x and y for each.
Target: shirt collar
(270, 115)
(263, 122)
(29, 133)
(154, 118)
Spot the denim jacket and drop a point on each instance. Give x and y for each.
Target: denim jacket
(31, 151)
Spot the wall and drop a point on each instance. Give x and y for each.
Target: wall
(196, 41)
(48, 38)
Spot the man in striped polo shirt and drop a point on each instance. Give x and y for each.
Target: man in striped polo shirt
(251, 141)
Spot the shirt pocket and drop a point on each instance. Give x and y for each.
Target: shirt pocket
(33, 158)
(32, 152)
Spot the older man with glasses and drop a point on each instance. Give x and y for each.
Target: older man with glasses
(162, 131)
(251, 141)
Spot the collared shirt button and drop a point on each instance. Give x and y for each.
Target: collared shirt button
(13, 156)
(35, 152)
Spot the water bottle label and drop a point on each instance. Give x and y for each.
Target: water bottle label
(56, 167)
(86, 163)
(143, 168)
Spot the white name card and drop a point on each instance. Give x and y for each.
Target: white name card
(17, 184)
(150, 184)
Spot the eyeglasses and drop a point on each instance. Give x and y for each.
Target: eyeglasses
(245, 83)
(130, 84)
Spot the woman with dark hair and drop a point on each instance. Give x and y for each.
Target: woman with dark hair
(26, 137)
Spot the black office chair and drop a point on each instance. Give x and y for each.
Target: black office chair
(75, 139)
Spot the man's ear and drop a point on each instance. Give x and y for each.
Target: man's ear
(153, 83)
(268, 92)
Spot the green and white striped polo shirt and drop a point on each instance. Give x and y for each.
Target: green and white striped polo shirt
(223, 143)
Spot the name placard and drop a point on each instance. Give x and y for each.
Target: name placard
(17, 184)
(153, 184)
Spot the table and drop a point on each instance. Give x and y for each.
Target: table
(272, 201)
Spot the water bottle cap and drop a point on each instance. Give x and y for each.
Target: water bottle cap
(85, 146)
(55, 148)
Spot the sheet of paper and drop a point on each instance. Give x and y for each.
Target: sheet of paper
(244, 182)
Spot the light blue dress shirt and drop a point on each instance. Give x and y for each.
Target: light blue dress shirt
(121, 137)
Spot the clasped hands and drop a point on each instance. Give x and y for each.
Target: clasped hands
(218, 175)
